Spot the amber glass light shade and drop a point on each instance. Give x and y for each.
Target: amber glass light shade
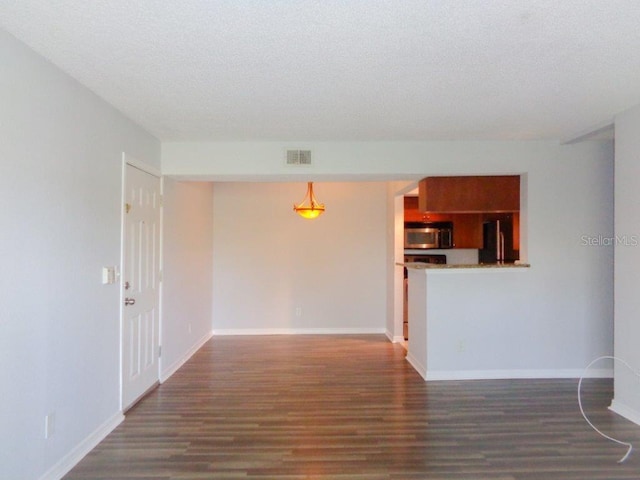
(309, 207)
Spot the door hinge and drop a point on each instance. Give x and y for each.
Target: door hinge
(162, 200)
(159, 275)
(159, 351)
(127, 207)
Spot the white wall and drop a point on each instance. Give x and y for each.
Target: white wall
(556, 316)
(60, 189)
(501, 330)
(395, 254)
(187, 270)
(627, 263)
(553, 318)
(569, 288)
(417, 311)
(60, 151)
(383, 160)
(268, 261)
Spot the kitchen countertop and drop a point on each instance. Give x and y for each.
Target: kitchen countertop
(450, 266)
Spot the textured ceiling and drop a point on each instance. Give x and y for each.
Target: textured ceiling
(346, 70)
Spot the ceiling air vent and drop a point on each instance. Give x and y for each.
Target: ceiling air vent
(298, 157)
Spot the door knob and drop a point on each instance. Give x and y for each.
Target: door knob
(129, 301)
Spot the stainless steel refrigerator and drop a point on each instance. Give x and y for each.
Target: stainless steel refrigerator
(497, 245)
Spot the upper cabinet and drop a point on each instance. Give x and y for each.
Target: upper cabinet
(467, 227)
(469, 194)
(413, 214)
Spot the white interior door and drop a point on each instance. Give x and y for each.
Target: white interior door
(140, 284)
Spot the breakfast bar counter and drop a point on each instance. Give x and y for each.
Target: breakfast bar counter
(461, 317)
(450, 266)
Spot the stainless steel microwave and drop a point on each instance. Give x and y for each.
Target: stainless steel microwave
(428, 235)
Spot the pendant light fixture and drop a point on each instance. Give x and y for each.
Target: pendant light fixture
(309, 207)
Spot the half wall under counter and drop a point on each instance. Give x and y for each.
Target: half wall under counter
(465, 320)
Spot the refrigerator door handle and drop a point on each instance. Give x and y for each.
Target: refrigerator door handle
(498, 242)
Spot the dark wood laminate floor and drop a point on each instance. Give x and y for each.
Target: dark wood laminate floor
(352, 408)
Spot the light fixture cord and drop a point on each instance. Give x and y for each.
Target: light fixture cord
(312, 197)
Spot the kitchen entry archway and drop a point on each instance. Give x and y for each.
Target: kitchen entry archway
(140, 281)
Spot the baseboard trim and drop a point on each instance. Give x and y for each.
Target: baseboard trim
(299, 331)
(625, 411)
(394, 339)
(417, 366)
(70, 460)
(175, 366)
(515, 374)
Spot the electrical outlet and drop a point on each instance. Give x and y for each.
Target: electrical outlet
(49, 425)
(298, 311)
(461, 347)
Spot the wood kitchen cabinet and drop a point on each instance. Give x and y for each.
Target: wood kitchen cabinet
(469, 194)
(467, 227)
(467, 202)
(467, 230)
(413, 214)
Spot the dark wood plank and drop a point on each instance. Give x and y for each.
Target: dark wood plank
(352, 408)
